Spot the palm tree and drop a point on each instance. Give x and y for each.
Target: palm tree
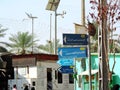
(2, 34)
(49, 47)
(2, 49)
(2, 30)
(22, 42)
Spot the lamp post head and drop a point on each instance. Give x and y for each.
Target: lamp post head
(52, 5)
(30, 15)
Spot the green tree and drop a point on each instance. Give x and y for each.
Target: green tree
(113, 44)
(107, 14)
(22, 42)
(49, 47)
(2, 34)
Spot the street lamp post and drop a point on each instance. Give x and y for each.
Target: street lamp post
(32, 18)
(50, 33)
(57, 14)
(56, 31)
(52, 6)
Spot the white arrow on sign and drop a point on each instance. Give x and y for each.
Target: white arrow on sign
(66, 62)
(72, 52)
(65, 38)
(60, 52)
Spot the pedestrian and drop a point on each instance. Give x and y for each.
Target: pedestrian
(26, 87)
(32, 88)
(29, 87)
(14, 87)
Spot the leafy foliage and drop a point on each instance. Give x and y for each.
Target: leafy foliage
(2, 34)
(2, 30)
(21, 42)
(49, 47)
(107, 15)
(111, 11)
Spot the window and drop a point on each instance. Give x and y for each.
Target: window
(56, 74)
(71, 79)
(33, 83)
(49, 74)
(80, 80)
(22, 71)
(27, 69)
(59, 77)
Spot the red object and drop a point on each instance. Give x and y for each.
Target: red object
(91, 29)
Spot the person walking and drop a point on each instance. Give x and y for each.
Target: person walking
(14, 87)
(26, 87)
(32, 88)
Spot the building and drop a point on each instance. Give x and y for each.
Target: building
(39, 71)
(82, 69)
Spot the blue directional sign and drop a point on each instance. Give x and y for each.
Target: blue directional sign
(72, 52)
(66, 62)
(66, 69)
(75, 39)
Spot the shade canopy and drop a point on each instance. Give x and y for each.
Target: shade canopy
(87, 72)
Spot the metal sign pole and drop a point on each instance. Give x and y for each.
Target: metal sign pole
(89, 58)
(56, 31)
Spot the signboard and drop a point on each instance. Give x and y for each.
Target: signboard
(72, 52)
(75, 39)
(66, 62)
(81, 29)
(66, 69)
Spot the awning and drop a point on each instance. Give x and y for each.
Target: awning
(87, 72)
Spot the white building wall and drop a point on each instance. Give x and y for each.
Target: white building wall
(38, 74)
(42, 78)
(22, 77)
(33, 72)
(20, 83)
(22, 72)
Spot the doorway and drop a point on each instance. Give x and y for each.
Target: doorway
(49, 78)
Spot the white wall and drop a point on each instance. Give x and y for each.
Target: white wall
(25, 72)
(42, 78)
(38, 74)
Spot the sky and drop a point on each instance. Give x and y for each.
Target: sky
(13, 17)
